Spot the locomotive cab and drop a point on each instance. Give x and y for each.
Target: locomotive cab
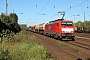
(67, 29)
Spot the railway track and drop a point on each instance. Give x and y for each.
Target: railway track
(79, 44)
(83, 39)
(82, 43)
(59, 49)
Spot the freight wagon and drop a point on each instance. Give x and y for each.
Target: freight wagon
(80, 29)
(39, 28)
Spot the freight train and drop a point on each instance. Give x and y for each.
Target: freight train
(60, 28)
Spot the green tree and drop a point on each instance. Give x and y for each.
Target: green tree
(13, 18)
(14, 22)
(11, 21)
(79, 23)
(4, 18)
(87, 24)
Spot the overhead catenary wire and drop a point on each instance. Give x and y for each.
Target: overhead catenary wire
(42, 8)
(55, 9)
(82, 12)
(76, 5)
(72, 7)
(6, 7)
(36, 6)
(2, 9)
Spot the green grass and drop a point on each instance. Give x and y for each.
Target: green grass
(62, 46)
(23, 47)
(26, 51)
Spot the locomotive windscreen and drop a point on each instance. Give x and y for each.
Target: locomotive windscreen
(66, 23)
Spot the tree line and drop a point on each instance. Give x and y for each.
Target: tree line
(83, 24)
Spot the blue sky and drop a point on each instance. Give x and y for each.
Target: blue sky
(40, 11)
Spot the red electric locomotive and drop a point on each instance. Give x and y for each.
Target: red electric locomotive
(60, 29)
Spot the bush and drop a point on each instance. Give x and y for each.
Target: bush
(27, 52)
(24, 47)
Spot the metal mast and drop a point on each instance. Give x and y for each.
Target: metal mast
(6, 7)
(84, 18)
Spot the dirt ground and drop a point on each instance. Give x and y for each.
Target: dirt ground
(62, 50)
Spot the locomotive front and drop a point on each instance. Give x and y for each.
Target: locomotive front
(67, 29)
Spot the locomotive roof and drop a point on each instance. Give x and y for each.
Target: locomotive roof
(50, 22)
(58, 20)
